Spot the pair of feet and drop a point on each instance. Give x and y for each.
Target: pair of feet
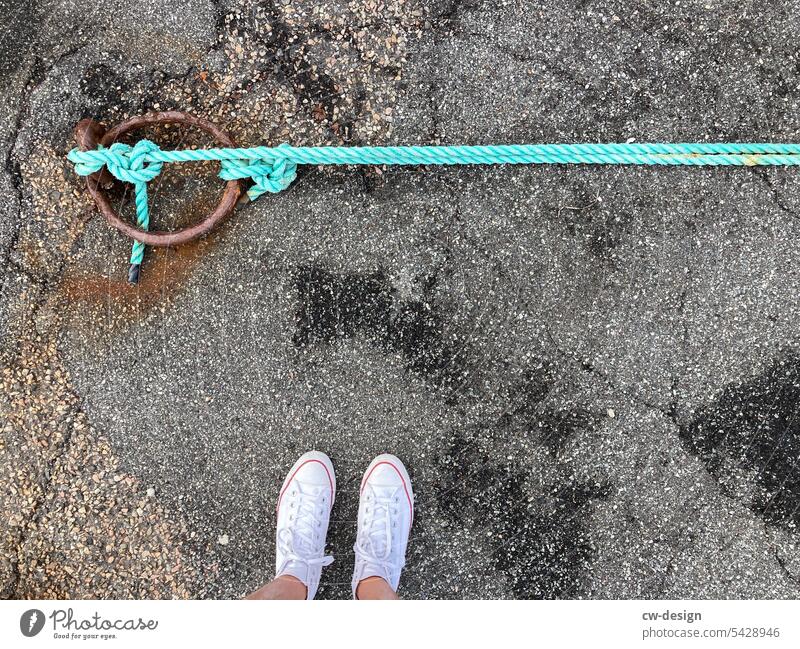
(385, 514)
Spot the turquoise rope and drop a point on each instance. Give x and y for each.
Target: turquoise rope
(272, 169)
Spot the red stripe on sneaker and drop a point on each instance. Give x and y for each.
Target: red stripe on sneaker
(289, 481)
(405, 487)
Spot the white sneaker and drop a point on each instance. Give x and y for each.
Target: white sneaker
(304, 510)
(385, 514)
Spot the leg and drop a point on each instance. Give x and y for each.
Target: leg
(304, 510)
(385, 514)
(283, 587)
(375, 588)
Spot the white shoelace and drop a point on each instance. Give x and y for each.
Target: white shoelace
(299, 543)
(374, 543)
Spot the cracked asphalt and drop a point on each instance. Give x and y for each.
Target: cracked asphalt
(592, 374)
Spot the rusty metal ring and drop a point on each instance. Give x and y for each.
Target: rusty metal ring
(88, 134)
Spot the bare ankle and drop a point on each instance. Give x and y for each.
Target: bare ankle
(374, 588)
(282, 587)
(294, 584)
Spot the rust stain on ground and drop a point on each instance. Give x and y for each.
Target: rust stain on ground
(105, 296)
(164, 273)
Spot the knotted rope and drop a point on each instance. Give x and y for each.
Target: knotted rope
(272, 169)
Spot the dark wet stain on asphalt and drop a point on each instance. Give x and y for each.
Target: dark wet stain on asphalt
(334, 307)
(539, 540)
(755, 428)
(525, 412)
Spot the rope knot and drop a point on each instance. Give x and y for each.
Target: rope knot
(270, 176)
(131, 163)
(127, 163)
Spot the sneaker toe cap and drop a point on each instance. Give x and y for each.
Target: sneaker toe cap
(314, 469)
(388, 471)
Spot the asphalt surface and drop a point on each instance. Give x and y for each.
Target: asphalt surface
(592, 374)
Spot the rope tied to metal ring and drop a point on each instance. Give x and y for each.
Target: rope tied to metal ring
(272, 169)
(141, 163)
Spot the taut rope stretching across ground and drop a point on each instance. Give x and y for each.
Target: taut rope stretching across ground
(272, 169)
